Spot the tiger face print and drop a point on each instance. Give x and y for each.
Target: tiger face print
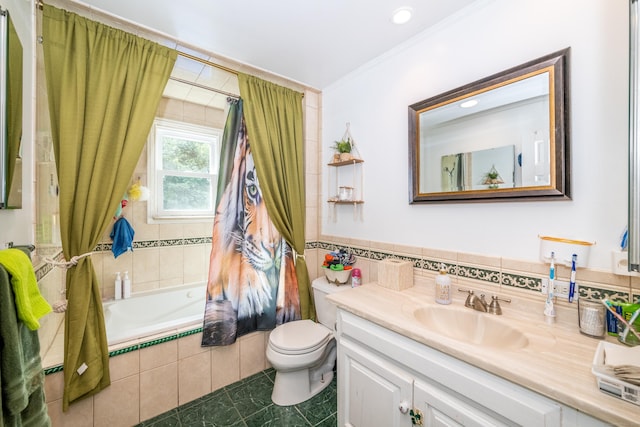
(246, 247)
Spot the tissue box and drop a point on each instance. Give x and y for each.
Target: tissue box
(395, 274)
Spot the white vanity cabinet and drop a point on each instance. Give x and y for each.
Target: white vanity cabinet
(384, 376)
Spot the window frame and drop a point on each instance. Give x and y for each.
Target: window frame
(200, 133)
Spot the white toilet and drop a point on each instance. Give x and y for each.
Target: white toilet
(303, 352)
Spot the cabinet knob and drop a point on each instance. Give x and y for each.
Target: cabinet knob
(404, 407)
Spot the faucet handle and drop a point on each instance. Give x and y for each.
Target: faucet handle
(494, 306)
(470, 297)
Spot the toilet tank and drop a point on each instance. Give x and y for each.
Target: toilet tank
(325, 310)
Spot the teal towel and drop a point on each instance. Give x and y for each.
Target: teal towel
(21, 374)
(30, 303)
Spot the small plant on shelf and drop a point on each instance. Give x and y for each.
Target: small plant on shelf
(342, 150)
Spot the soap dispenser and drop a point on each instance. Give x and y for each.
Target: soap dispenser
(118, 287)
(126, 285)
(443, 286)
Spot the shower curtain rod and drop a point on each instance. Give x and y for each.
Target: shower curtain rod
(213, 64)
(187, 82)
(205, 62)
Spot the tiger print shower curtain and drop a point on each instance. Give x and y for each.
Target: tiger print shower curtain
(252, 282)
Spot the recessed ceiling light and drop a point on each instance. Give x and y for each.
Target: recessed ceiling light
(402, 15)
(468, 104)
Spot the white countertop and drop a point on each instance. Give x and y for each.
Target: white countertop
(556, 364)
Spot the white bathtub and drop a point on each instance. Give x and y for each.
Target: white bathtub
(154, 312)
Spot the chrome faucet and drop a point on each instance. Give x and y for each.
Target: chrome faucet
(480, 304)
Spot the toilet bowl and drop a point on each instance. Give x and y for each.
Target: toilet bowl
(303, 352)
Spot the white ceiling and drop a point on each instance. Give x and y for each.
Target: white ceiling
(313, 42)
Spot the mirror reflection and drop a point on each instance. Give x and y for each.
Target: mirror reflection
(10, 114)
(500, 137)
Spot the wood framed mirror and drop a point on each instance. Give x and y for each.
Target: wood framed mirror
(501, 138)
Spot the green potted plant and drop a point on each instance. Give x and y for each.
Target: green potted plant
(492, 178)
(343, 150)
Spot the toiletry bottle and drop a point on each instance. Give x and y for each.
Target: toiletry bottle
(126, 285)
(118, 286)
(356, 278)
(443, 286)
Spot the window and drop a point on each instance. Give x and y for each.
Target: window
(183, 164)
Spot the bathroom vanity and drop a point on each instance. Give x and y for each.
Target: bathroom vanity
(395, 364)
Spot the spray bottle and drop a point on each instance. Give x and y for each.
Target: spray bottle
(356, 278)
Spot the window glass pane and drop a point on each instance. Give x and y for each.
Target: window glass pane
(186, 193)
(185, 156)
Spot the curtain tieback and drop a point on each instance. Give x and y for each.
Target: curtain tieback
(298, 255)
(66, 264)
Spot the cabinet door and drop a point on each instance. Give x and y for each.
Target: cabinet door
(442, 408)
(372, 390)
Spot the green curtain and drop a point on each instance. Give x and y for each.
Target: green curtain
(104, 86)
(273, 116)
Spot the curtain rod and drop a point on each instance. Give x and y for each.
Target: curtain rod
(187, 82)
(212, 64)
(204, 61)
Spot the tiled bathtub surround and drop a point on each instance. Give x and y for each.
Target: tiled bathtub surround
(150, 378)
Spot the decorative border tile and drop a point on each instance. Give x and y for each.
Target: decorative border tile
(587, 291)
(481, 274)
(521, 282)
(53, 370)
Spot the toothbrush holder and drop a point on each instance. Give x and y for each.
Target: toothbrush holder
(591, 317)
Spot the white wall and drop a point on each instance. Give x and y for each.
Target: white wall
(17, 225)
(487, 38)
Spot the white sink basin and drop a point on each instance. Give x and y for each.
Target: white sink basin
(472, 327)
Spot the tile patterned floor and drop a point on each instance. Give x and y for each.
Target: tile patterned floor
(247, 403)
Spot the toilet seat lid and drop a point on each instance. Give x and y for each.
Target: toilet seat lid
(300, 336)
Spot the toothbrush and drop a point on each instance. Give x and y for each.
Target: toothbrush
(552, 277)
(629, 327)
(549, 310)
(620, 318)
(572, 280)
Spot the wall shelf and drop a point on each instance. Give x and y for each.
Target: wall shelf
(346, 202)
(346, 162)
(353, 177)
